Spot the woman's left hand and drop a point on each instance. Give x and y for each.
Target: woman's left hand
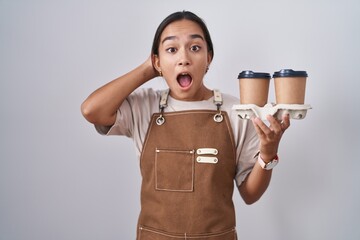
(270, 136)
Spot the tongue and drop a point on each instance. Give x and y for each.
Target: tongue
(184, 80)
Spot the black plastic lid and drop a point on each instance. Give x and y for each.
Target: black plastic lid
(290, 73)
(251, 74)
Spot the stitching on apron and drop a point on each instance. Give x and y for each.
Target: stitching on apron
(191, 155)
(155, 129)
(189, 112)
(228, 125)
(185, 234)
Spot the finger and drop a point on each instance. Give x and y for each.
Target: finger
(275, 124)
(257, 128)
(262, 126)
(285, 124)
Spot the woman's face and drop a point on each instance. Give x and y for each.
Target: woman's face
(183, 60)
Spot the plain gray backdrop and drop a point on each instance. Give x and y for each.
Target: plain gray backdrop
(60, 180)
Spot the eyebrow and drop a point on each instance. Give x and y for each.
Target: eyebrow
(192, 36)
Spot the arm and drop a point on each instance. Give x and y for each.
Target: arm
(101, 106)
(258, 180)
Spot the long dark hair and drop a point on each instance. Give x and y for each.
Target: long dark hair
(176, 16)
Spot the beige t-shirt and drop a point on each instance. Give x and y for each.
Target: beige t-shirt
(133, 118)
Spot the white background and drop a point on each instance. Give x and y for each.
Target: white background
(60, 180)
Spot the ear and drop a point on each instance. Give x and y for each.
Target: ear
(209, 58)
(156, 62)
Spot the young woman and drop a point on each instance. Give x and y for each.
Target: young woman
(191, 145)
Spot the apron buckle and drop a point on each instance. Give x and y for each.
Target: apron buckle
(160, 120)
(218, 102)
(218, 117)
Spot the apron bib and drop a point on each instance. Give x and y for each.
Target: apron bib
(188, 166)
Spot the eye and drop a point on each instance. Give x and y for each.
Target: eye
(171, 50)
(195, 48)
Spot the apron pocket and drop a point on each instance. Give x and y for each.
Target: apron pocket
(174, 170)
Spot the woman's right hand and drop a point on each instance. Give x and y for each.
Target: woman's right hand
(101, 106)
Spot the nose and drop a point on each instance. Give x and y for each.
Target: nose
(183, 58)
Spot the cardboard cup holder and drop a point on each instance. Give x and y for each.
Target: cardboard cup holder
(295, 111)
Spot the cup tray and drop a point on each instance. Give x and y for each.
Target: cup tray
(247, 111)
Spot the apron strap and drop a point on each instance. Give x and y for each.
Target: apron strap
(218, 101)
(162, 105)
(164, 98)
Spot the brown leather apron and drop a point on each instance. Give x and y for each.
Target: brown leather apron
(188, 167)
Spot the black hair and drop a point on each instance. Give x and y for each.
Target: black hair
(176, 16)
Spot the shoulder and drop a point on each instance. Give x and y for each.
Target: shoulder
(145, 94)
(144, 98)
(143, 102)
(239, 125)
(229, 101)
(230, 98)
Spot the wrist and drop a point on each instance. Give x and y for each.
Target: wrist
(268, 165)
(268, 157)
(148, 71)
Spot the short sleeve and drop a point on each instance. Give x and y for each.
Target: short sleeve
(123, 122)
(133, 116)
(246, 153)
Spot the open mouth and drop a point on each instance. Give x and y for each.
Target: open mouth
(184, 80)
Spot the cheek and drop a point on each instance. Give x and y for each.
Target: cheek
(170, 83)
(165, 63)
(204, 59)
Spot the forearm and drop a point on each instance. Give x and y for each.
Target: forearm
(255, 184)
(259, 179)
(101, 106)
